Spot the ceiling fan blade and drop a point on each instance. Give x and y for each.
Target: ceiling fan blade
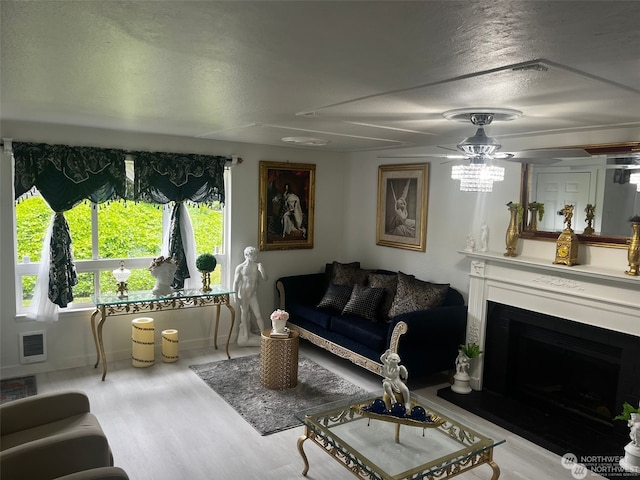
(554, 153)
(427, 155)
(447, 148)
(416, 155)
(533, 160)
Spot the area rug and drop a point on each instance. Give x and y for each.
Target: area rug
(16, 388)
(237, 381)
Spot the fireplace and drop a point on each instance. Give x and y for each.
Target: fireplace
(562, 351)
(556, 364)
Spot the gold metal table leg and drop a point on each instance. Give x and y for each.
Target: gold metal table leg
(301, 440)
(233, 319)
(496, 470)
(215, 330)
(95, 336)
(103, 318)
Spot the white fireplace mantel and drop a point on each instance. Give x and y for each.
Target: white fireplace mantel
(591, 295)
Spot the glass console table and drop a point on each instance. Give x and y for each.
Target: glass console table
(390, 449)
(110, 304)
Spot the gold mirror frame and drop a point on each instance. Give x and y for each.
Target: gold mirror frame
(598, 240)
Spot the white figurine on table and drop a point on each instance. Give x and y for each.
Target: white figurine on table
(394, 374)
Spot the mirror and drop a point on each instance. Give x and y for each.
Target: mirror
(601, 180)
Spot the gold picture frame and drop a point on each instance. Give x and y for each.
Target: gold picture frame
(405, 187)
(287, 198)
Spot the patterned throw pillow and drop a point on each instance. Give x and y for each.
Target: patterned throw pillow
(390, 285)
(348, 274)
(413, 295)
(364, 302)
(328, 271)
(336, 297)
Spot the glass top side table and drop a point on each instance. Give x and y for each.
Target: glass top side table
(138, 301)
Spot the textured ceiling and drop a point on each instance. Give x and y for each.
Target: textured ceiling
(362, 75)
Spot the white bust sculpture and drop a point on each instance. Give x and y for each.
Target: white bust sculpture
(163, 269)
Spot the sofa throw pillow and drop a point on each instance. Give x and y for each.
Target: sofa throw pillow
(336, 297)
(389, 283)
(413, 295)
(364, 302)
(328, 271)
(348, 274)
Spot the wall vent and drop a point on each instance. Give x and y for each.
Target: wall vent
(33, 347)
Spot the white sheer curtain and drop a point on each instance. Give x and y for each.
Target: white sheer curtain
(189, 245)
(42, 309)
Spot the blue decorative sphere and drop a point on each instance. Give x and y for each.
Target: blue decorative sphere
(398, 410)
(378, 406)
(418, 413)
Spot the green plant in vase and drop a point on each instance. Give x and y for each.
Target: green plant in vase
(631, 460)
(471, 350)
(537, 212)
(206, 263)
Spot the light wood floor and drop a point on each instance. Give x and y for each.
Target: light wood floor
(164, 423)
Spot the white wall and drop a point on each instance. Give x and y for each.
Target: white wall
(345, 230)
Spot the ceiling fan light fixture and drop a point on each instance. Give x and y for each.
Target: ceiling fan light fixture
(479, 144)
(477, 177)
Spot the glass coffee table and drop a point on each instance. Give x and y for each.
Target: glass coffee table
(373, 446)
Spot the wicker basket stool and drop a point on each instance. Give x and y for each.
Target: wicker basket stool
(278, 361)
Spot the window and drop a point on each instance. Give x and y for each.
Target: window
(105, 234)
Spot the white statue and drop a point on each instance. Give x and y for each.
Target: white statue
(245, 285)
(394, 374)
(461, 378)
(471, 243)
(484, 237)
(163, 269)
(462, 364)
(634, 425)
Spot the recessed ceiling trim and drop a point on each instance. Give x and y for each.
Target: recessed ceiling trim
(328, 133)
(516, 66)
(307, 141)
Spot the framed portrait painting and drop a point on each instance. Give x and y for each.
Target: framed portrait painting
(402, 206)
(287, 192)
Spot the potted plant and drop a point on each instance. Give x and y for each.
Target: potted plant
(631, 460)
(206, 263)
(471, 350)
(463, 362)
(537, 212)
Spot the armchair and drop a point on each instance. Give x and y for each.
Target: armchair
(47, 436)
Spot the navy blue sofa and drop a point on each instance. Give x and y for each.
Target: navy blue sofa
(430, 344)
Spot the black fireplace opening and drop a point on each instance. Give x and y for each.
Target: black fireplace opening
(556, 382)
(564, 373)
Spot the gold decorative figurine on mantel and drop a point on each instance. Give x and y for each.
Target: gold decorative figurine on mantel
(590, 210)
(634, 247)
(567, 243)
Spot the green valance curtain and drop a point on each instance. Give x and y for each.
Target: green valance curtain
(65, 176)
(167, 177)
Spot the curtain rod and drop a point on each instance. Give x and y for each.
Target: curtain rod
(7, 143)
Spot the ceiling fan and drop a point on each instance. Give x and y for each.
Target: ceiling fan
(480, 148)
